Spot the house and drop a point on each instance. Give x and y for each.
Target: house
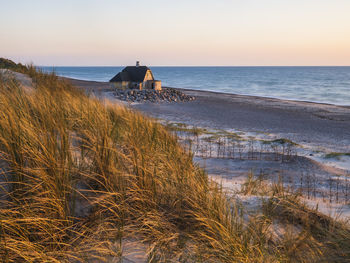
(136, 77)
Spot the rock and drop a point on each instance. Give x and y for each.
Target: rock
(165, 95)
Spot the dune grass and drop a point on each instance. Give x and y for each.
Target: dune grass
(80, 179)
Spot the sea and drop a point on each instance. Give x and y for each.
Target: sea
(316, 84)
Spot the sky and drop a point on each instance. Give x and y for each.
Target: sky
(176, 32)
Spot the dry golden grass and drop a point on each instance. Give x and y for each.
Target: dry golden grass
(79, 179)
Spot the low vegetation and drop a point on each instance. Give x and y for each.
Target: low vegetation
(9, 64)
(81, 179)
(281, 141)
(336, 155)
(181, 127)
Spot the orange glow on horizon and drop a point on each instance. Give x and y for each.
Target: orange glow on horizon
(177, 33)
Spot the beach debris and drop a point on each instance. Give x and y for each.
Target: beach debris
(164, 95)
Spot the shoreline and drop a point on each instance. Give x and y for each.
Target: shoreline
(106, 86)
(260, 97)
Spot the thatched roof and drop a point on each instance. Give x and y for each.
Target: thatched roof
(131, 73)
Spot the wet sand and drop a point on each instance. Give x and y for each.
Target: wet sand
(303, 122)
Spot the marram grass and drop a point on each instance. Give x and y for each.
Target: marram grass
(80, 179)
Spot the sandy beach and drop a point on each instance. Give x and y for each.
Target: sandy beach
(319, 124)
(303, 122)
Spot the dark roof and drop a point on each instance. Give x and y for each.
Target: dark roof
(131, 73)
(121, 76)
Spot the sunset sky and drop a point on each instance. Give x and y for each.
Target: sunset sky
(181, 32)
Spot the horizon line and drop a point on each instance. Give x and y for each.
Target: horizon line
(197, 66)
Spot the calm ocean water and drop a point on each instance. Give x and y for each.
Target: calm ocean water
(317, 84)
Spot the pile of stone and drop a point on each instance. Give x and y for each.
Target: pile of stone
(164, 95)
